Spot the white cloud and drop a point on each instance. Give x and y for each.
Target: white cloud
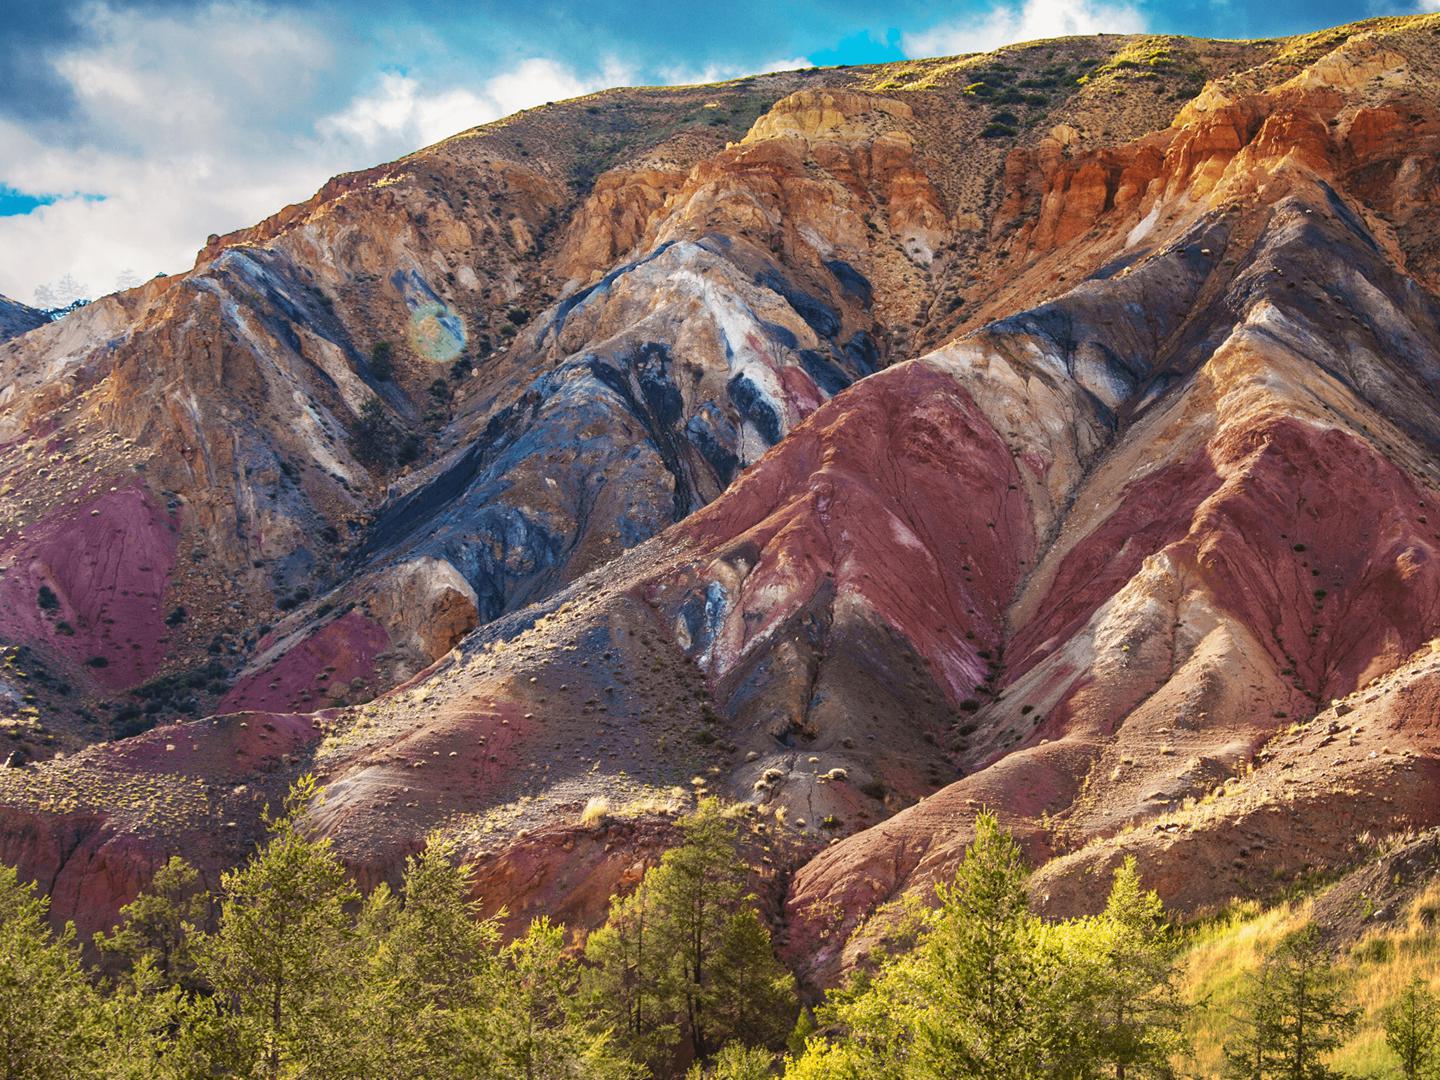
(1007, 23)
(402, 113)
(711, 73)
(1425, 6)
(208, 119)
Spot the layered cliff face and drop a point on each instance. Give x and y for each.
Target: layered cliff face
(1051, 431)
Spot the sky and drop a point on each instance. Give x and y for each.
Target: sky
(132, 129)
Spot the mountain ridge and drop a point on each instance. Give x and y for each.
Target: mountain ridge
(869, 468)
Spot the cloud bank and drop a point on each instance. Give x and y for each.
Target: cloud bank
(188, 121)
(1034, 19)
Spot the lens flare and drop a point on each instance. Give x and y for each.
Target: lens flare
(437, 332)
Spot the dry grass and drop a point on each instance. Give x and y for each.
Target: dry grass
(596, 810)
(1224, 950)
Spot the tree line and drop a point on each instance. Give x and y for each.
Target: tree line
(289, 972)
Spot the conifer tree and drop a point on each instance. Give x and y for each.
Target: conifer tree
(685, 958)
(625, 980)
(992, 992)
(530, 1027)
(979, 972)
(50, 1022)
(280, 958)
(160, 925)
(1137, 1013)
(1293, 1014)
(425, 955)
(1412, 1031)
(736, 1061)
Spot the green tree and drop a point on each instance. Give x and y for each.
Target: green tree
(50, 1022)
(624, 982)
(753, 1000)
(736, 1061)
(1412, 1031)
(1133, 1011)
(151, 1030)
(529, 1025)
(1294, 1013)
(685, 958)
(374, 441)
(991, 992)
(979, 974)
(382, 360)
(967, 1001)
(697, 887)
(1249, 1052)
(160, 923)
(279, 959)
(424, 957)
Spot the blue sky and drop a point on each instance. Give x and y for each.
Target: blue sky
(130, 129)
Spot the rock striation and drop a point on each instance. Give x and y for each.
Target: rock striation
(1050, 431)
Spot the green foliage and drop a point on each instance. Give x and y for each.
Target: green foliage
(382, 360)
(278, 957)
(54, 1022)
(532, 1025)
(375, 442)
(1412, 1031)
(685, 960)
(157, 926)
(992, 991)
(49, 1024)
(736, 1062)
(1294, 1013)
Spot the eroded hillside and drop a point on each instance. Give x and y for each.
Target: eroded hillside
(1050, 430)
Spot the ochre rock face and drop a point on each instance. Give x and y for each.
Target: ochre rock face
(1052, 432)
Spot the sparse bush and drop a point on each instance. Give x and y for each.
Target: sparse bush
(382, 360)
(596, 810)
(374, 441)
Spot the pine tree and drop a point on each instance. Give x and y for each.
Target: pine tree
(753, 1001)
(685, 958)
(1294, 1013)
(280, 956)
(1313, 1016)
(1412, 1031)
(626, 975)
(530, 1026)
(1252, 1049)
(375, 439)
(735, 1061)
(696, 888)
(979, 973)
(159, 924)
(425, 955)
(1138, 1014)
(50, 1020)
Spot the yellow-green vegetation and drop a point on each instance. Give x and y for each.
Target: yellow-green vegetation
(685, 960)
(143, 800)
(993, 992)
(289, 971)
(1225, 951)
(1307, 48)
(918, 74)
(1138, 59)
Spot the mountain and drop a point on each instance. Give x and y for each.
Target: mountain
(1049, 430)
(16, 318)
